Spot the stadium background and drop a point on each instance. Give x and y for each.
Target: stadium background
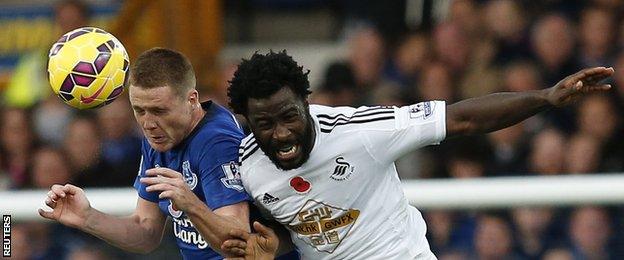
(359, 52)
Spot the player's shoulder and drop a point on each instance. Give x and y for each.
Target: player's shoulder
(218, 123)
(347, 118)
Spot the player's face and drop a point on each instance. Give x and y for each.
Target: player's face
(282, 127)
(165, 118)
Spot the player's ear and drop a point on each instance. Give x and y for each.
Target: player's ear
(193, 97)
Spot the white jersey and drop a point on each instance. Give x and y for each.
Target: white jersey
(346, 201)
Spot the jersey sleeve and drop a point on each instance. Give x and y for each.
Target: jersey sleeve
(412, 127)
(143, 166)
(219, 173)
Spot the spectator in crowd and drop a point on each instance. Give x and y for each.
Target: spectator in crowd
(532, 226)
(546, 156)
(506, 25)
(435, 83)
(509, 150)
(466, 165)
(5, 179)
(553, 42)
(590, 231)
(121, 144)
(338, 87)
(20, 243)
(453, 255)
(558, 253)
(451, 46)
(582, 154)
(218, 93)
(467, 15)
(17, 141)
(50, 166)
(409, 59)
(619, 79)
(87, 253)
(83, 144)
(493, 238)
(449, 231)
(522, 75)
(596, 117)
(366, 58)
(596, 37)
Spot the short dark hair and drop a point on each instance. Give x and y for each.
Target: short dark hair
(263, 75)
(159, 67)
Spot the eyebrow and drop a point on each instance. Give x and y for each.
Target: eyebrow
(134, 107)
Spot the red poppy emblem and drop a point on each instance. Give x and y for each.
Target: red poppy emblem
(300, 184)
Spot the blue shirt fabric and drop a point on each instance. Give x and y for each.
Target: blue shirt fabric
(208, 160)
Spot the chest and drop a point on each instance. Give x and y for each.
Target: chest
(333, 180)
(188, 167)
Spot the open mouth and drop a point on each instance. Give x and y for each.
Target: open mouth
(288, 152)
(158, 139)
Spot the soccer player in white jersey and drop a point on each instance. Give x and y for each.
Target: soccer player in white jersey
(327, 173)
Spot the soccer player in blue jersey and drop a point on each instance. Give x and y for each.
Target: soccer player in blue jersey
(188, 170)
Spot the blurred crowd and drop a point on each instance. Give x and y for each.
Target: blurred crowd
(476, 48)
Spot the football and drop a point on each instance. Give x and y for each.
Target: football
(88, 68)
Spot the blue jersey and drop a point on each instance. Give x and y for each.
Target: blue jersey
(208, 160)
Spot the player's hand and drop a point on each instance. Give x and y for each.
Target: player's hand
(260, 246)
(171, 186)
(69, 205)
(576, 85)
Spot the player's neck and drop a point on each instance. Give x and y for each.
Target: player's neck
(198, 115)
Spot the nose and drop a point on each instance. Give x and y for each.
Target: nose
(281, 133)
(149, 123)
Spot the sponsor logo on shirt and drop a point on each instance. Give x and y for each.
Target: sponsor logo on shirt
(189, 176)
(342, 171)
(323, 226)
(184, 230)
(421, 110)
(232, 177)
(269, 199)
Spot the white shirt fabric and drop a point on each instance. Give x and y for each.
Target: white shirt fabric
(350, 202)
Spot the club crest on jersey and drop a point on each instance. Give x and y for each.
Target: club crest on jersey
(232, 177)
(173, 211)
(342, 171)
(421, 110)
(189, 176)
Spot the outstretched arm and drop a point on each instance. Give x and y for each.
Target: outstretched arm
(140, 232)
(500, 110)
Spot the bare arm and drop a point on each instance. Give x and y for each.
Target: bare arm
(140, 232)
(215, 226)
(500, 110)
